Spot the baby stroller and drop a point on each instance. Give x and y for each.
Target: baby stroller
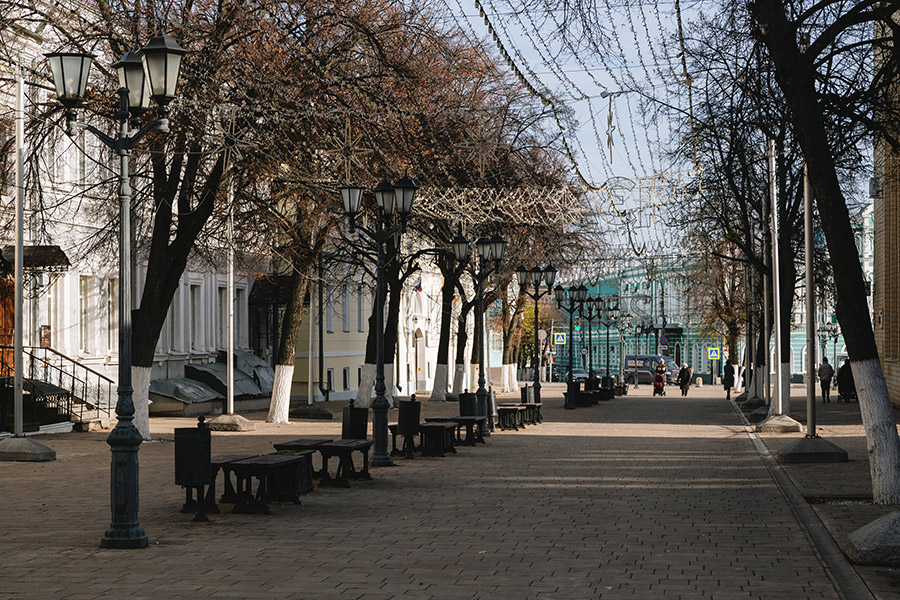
(659, 385)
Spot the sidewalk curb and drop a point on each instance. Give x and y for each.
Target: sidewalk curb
(846, 580)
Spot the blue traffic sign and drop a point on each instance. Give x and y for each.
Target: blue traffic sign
(714, 354)
(559, 339)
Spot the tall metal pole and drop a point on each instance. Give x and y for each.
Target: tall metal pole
(230, 309)
(481, 395)
(380, 456)
(536, 355)
(125, 439)
(810, 310)
(570, 380)
(18, 426)
(776, 284)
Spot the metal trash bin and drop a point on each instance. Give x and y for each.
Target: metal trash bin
(408, 418)
(467, 405)
(193, 455)
(524, 392)
(354, 423)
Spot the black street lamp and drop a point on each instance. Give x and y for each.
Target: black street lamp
(150, 73)
(609, 318)
(592, 311)
(490, 253)
(575, 296)
(534, 276)
(833, 331)
(391, 199)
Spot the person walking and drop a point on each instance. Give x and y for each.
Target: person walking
(684, 378)
(826, 372)
(728, 379)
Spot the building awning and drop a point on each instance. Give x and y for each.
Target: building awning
(37, 258)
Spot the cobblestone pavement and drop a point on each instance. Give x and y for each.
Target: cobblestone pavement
(638, 497)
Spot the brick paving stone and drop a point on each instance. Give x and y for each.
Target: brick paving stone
(638, 497)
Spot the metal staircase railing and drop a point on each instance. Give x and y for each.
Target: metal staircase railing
(93, 394)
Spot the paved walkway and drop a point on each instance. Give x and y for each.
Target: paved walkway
(639, 497)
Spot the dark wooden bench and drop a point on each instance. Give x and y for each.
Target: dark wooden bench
(301, 444)
(343, 450)
(532, 413)
(511, 416)
(472, 424)
(436, 438)
(277, 477)
(223, 462)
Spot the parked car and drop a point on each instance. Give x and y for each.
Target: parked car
(640, 368)
(578, 374)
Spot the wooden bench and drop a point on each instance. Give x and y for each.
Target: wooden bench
(409, 443)
(229, 494)
(436, 438)
(472, 424)
(277, 477)
(533, 413)
(343, 450)
(511, 416)
(301, 444)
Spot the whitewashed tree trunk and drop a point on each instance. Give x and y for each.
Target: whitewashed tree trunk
(459, 379)
(439, 390)
(513, 380)
(366, 386)
(786, 388)
(473, 378)
(505, 384)
(389, 391)
(140, 382)
(280, 405)
(756, 384)
(785, 384)
(882, 443)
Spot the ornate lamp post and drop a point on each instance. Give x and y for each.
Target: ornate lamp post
(590, 312)
(534, 276)
(391, 199)
(623, 327)
(490, 253)
(575, 296)
(150, 73)
(833, 331)
(610, 315)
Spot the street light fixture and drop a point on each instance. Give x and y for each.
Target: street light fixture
(160, 62)
(592, 306)
(575, 296)
(390, 199)
(534, 276)
(610, 316)
(490, 252)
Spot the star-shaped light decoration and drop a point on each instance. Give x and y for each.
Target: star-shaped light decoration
(483, 145)
(346, 149)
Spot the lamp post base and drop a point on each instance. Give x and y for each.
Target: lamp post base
(380, 455)
(124, 539)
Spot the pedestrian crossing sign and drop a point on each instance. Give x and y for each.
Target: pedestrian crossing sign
(559, 339)
(714, 354)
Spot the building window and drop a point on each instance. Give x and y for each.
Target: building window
(174, 321)
(239, 329)
(345, 308)
(329, 310)
(112, 312)
(358, 376)
(360, 308)
(84, 312)
(330, 374)
(196, 317)
(222, 337)
(346, 378)
(7, 156)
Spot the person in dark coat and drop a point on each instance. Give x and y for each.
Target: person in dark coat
(728, 379)
(826, 373)
(684, 378)
(846, 386)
